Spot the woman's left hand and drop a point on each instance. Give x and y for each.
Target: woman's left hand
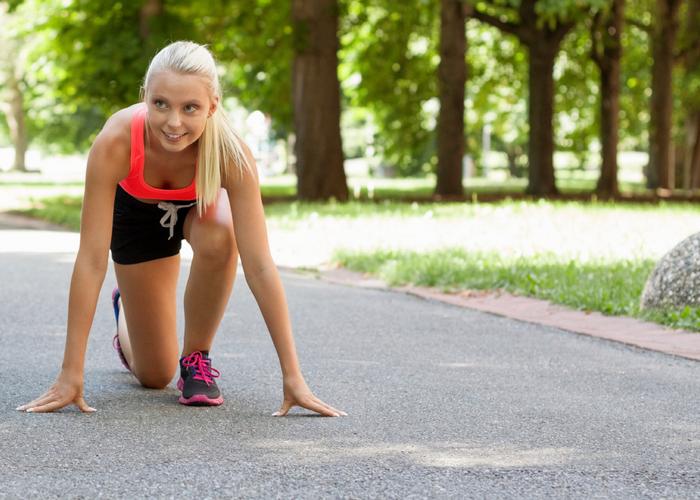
(297, 393)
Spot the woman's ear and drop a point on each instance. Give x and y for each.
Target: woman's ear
(214, 105)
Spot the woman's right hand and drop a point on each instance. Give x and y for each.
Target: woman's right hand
(65, 390)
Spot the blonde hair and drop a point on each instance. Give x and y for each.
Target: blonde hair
(219, 145)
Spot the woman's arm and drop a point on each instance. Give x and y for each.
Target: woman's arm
(101, 178)
(106, 165)
(259, 268)
(265, 283)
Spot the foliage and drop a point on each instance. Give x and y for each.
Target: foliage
(389, 54)
(612, 288)
(253, 42)
(86, 58)
(496, 89)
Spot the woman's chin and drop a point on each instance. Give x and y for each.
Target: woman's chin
(174, 146)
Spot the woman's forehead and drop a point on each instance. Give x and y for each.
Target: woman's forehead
(179, 86)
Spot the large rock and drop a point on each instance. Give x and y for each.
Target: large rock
(675, 281)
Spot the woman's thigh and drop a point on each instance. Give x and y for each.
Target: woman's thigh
(148, 294)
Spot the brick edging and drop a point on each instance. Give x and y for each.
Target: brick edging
(630, 331)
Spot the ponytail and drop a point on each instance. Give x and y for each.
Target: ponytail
(220, 151)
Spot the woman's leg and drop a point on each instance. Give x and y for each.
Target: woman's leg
(213, 269)
(147, 320)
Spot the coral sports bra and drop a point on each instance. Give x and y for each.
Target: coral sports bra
(134, 183)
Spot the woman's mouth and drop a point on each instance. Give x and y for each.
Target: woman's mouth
(173, 137)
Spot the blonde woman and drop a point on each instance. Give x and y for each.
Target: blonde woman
(168, 168)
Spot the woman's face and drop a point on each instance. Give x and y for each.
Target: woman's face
(178, 108)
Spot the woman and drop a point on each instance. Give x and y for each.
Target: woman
(151, 164)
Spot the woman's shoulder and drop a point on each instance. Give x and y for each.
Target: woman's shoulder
(112, 146)
(117, 128)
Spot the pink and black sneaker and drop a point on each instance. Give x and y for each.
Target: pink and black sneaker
(115, 341)
(197, 381)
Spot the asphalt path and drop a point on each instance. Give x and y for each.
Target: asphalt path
(442, 402)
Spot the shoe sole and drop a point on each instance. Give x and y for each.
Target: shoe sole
(115, 340)
(198, 399)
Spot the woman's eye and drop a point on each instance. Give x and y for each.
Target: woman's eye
(159, 103)
(190, 108)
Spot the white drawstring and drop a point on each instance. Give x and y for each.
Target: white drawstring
(170, 218)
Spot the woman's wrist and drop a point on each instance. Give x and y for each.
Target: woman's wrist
(72, 371)
(291, 372)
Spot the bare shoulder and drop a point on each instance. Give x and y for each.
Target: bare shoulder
(111, 149)
(244, 176)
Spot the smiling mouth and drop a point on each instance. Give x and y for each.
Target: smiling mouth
(173, 137)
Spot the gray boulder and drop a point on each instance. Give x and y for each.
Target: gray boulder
(675, 281)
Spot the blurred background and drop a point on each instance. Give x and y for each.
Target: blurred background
(564, 132)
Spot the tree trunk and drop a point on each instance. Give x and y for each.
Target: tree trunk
(316, 99)
(693, 152)
(691, 63)
(452, 76)
(14, 113)
(543, 40)
(660, 169)
(540, 115)
(149, 9)
(608, 61)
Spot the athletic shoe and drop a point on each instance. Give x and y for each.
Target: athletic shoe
(115, 341)
(197, 381)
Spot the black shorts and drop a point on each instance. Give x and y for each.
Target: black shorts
(145, 231)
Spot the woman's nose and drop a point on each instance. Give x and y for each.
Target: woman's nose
(174, 120)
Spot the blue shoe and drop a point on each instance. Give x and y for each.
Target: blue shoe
(115, 341)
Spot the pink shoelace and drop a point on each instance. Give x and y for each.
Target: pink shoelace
(202, 365)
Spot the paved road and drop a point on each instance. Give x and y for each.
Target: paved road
(442, 402)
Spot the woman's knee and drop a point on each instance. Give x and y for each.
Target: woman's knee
(156, 379)
(215, 241)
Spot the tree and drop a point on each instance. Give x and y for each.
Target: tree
(606, 52)
(390, 59)
(316, 98)
(663, 40)
(540, 26)
(452, 75)
(689, 58)
(12, 99)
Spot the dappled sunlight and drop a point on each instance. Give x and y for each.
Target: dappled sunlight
(446, 454)
(33, 241)
(512, 230)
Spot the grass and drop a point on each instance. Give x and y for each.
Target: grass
(62, 210)
(589, 256)
(612, 288)
(362, 188)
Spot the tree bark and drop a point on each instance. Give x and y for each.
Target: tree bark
(661, 166)
(452, 76)
(14, 112)
(12, 100)
(691, 63)
(608, 34)
(316, 99)
(149, 9)
(543, 41)
(540, 114)
(693, 152)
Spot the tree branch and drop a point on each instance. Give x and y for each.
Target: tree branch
(646, 28)
(562, 29)
(595, 39)
(690, 51)
(512, 28)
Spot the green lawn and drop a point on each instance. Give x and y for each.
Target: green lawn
(589, 256)
(610, 287)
